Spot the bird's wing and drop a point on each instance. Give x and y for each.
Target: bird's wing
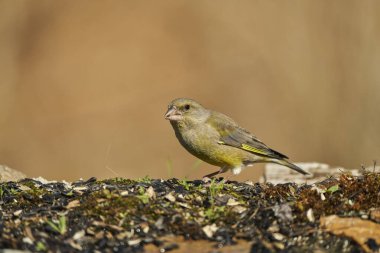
(233, 135)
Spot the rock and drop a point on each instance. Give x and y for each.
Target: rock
(7, 174)
(278, 174)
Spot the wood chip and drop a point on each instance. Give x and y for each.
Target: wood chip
(209, 230)
(239, 209)
(310, 215)
(79, 235)
(170, 197)
(232, 202)
(151, 193)
(73, 204)
(134, 242)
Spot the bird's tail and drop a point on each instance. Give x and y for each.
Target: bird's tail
(290, 165)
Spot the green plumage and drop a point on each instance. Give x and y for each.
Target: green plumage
(215, 138)
(233, 135)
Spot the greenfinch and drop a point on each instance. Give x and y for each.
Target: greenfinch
(218, 140)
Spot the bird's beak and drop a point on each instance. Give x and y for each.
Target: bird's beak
(173, 114)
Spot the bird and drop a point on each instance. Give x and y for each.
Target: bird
(218, 140)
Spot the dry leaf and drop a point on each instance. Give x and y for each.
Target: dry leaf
(375, 215)
(359, 230)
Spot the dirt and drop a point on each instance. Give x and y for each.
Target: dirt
(153, 215)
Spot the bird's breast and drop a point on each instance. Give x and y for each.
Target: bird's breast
(202, 142)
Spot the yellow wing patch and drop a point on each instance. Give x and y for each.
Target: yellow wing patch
(252, 149)
(248, 148)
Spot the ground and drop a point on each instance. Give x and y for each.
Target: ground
(153, 215)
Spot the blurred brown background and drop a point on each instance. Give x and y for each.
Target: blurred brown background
(84, 84)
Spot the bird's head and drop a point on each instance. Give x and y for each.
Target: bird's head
(186, 110)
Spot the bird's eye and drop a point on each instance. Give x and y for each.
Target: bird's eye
(186, 107)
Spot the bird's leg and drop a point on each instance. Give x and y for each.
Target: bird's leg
(221, 170)
(212, 174)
